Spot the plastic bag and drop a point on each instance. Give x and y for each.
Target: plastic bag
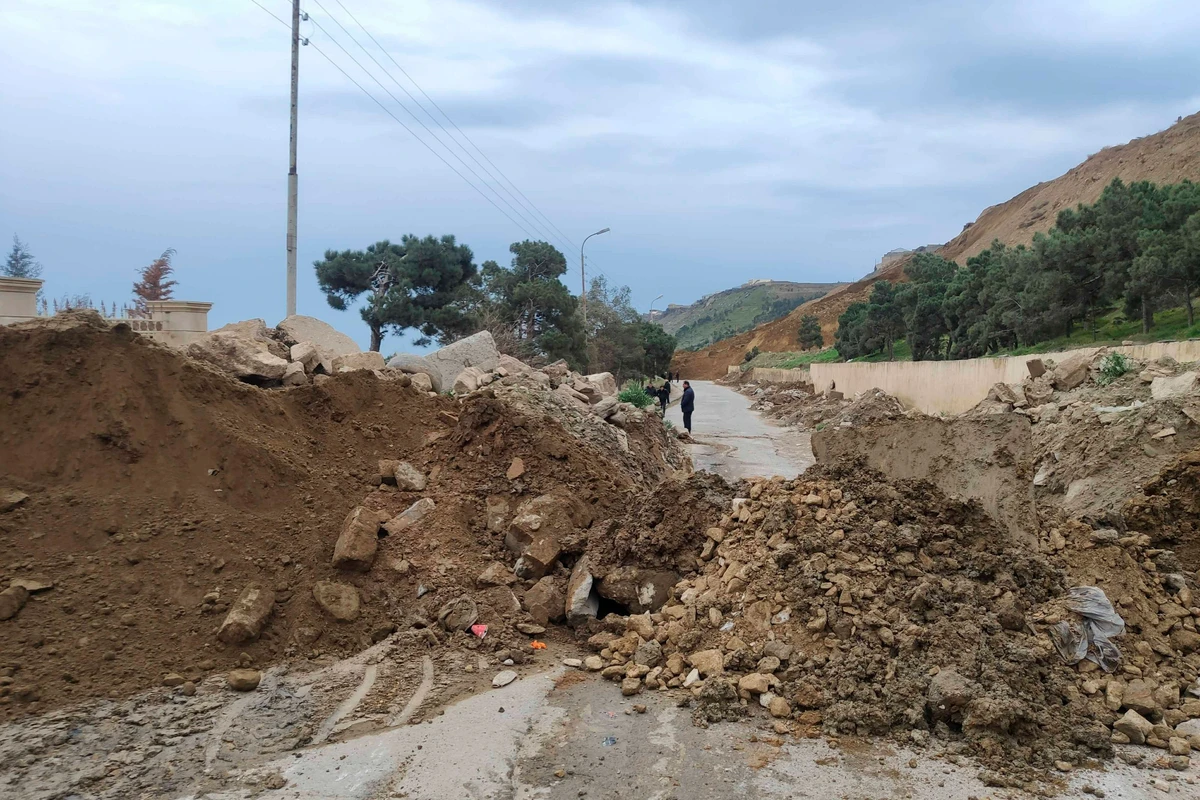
(1092, 638)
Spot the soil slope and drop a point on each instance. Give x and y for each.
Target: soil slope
(1165, 157)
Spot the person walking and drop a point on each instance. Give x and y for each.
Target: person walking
(664, 397)
(687, 404)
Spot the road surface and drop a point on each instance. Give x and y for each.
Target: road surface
(735, 442)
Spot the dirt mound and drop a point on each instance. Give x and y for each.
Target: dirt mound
(159, 490)
(1168, 508)
(1165, 157)
(855, 604)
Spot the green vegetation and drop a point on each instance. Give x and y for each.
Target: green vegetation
(809, 334)
(1137, 247)
(1113, 366)
(731, 312)
(636, 395)
(793, 360)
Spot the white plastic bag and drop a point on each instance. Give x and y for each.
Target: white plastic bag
(1092, 638)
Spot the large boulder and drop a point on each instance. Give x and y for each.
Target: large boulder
(544, 601)
(1039, 391)
(359, 539)
(546, 515)
(1175, 388)
(582, 604)
(329, 342)
(306, 355)
(478, 350)
(603, 381)
(1072, 372)
(240, 355)
(514, 366)
(637, 588)
(353, 362)
(412, 364)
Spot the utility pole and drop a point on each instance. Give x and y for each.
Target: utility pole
(292, 177)
(583, 278)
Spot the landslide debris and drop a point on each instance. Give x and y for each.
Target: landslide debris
(848, 603)
(149, 494)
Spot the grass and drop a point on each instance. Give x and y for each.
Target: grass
(793, 360)
(1113, 328)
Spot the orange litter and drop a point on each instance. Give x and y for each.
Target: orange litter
(536, 645)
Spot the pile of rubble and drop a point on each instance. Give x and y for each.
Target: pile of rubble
(847, 603)
(798, 405)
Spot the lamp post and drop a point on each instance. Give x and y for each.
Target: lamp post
(583, 277)
(650, 313)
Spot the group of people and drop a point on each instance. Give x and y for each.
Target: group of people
(687, 402)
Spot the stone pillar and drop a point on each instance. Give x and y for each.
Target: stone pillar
(182, 321)
(18, 299)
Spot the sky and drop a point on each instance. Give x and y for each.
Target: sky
(719, 141)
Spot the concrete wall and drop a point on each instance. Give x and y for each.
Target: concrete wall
(954, 386)
(773, 375)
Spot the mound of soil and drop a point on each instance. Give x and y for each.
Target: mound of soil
(159, 489)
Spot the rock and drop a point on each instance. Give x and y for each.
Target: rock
(496, 511)
(12, 600)
(338, 600)
(567, 393)
(478, 350)
(459, 614)
(1039, 392)
(641, 624)
(503, 678)
(692, 679)
(539, 558)
(1139, 696)
(593, 663)
(496, 574)
(467, 381)
(356, 362)
(10, 499)
(516, 469)
(33, 585)
(1004, 393)
(768, 664)
(779, 650)
(513, 366)
(305, 354)
(414, 365)
(754, 683)
(1134, 726)
(359, 539)
(1072, 372)
(1010, 611)
(648, 654)
(381, 632)
(1036, 368)
(422, 383)
(637, 588)
(1186, 641)
(581, 603)
(708, 662)
(1174, 388)
(604, 382)
(631, 687)
(408, 478)
(780, 708)
(606, 407)
(948, 696)
(187, 689)
(274, 781)
(410, 516)
(545, 601)
(294, 375)
(1178, 747)
(328, 341)
(245, 358)
(173, 679)
(530, 630)
(247, 615)
(243, 680)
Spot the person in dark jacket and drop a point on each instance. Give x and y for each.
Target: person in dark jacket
(664, 397)
(687, 404)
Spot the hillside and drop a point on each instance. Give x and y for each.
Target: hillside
(724, 314)
(1165, 157)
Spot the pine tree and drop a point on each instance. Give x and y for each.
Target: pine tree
(20, 262)
(155, 284)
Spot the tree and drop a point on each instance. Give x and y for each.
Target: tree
(852, 338)
(658, 346)
(527, 304)
(615, 339)
(20, 262)
(884, 316)
(419, 283)
(155, 283)
(810, 332)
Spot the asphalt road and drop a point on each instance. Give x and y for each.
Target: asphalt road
(735, 442)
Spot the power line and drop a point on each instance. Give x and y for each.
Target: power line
(399, 121)
(418, 120)
(534, 208)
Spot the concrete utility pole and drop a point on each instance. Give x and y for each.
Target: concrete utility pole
(583, 278)
(292, 178)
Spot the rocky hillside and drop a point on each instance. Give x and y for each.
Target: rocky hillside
(724, 314)
(1165, 157)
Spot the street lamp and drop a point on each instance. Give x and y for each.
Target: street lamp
(650, 313)
(583, 278)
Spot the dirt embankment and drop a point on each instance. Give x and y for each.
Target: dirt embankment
(1165, 157)
(159, 489)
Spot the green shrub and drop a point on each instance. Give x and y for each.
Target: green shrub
(635, 395)
(1113, 366)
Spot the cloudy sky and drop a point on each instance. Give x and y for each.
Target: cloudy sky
(720, 141)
